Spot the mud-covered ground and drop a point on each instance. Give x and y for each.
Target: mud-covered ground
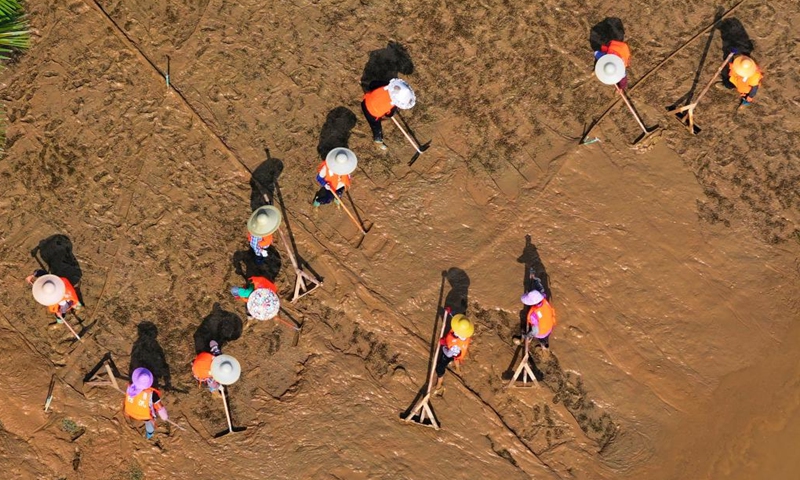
(673, 264)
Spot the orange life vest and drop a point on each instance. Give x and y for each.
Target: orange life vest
(451, 340)
(378, 102)
(201, 366)
(544, 317)
(335, 181)
(619, 49)
(141, 407)
(260, 282)
(742, 85)
(263, 243)
(70, 295)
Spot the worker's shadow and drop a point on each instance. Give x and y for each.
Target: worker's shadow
(336, 130)
(385, 64)
(734, 38)
(458, 297)
(687, 97)
(263, 181)
(244, 264)
(432, 355)
(610, 28)
(147, 353)
(55, 255)
(219, 325)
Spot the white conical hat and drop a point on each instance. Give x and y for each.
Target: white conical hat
(341, 161)
(225, 369)
(48, 290)
(610, 69)
(263, 304)
(264, 221)
(401, 94)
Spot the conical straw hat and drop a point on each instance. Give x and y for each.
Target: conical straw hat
(264, 221)
(341, 161)
(263, 304)
(48, 290)
(610, 69)
(225, 369)
(401, 94)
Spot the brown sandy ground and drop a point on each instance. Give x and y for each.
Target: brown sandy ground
(673, 268)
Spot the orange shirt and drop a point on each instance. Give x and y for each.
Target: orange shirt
(70, 295)
(335, 181)
(451, 340)
(378, 102)
(142, 406)
(544, 317)
(262, 282)
(201, 366)
(742, 85)
(619, 49)
(265, 241)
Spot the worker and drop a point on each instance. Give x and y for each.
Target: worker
(541, 316)
(143, 402)
(56, 293)
(334, 175)
(620, 49)
(253, 283)
(382, 101)
(454, 346)
(745, 76)
(262, 224)
(201, 367)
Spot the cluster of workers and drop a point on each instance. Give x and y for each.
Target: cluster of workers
(143, 401)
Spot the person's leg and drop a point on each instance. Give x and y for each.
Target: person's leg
(149, 429)
(545, 342)
(374, 124)
(441, 367)
(322, 197)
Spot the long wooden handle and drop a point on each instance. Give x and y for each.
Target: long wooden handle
(408, 137)
(710, 82)
(630, 107)
(227, 413)
(71, 329)
(352, 217)
(436, 354)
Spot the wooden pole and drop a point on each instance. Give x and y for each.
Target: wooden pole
(227, 413)
(64, 321)
(408, 137)
(630, 107)
(422, 408)
(693, 105)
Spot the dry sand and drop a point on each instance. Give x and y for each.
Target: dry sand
(673, 267)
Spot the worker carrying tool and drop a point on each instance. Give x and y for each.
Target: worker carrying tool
(541, 316)
(56, 293)
(382, 101)
(745, 76)
(454, 346)
(201, 367)
(143, 402)
(334, 175)
(260, 226)
(621, 50)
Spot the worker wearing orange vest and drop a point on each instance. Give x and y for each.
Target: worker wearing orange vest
(143, 402)
(253, 283)
(334, 175)
(60, 306)
(382, 101)
(201, 367)
(454, 346)
(743, 75)
(260, 226)
(541, 316)
(620, 49)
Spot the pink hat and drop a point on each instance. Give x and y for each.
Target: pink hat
(141, 378)
(533, 297)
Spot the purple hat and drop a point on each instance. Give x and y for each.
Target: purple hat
(141, 378)
(533, 297)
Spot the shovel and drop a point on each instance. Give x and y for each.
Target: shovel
(231, 428)
(647, 131)
(417, 147)
(686, 114)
